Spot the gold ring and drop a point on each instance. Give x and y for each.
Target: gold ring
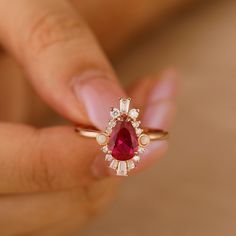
(123, 141)
(92, 132)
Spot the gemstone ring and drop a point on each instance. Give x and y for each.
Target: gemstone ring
(123, 141)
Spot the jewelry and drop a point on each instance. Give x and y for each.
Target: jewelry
(123, 141)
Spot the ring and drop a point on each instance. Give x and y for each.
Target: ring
(123, 141)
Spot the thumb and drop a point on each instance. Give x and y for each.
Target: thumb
(62, 58)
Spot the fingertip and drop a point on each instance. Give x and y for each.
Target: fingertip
(159, 95)
(154, 153)
(166, 87)
(98, 94)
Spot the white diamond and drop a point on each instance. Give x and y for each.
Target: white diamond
(136, 158)
(122, 169)
(139, 131)
(105, 149)
(130, 164)
(114, 112)
(108, 157)
(136, 124)
(101, 139)
(114, 164)
(141, 150)
(133, 113)
(108, 130)
(112, 123)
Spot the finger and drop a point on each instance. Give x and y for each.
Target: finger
(159, 112)
(163, 87)
(48, 159)
(156, 96)
(32, 214)
(54, 212)
(61, 57)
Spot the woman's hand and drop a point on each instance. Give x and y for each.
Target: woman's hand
(52, 180)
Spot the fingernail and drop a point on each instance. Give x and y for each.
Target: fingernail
(165, 87)
(159, 115)
(161, 106)
(98, 94)
(160, 112)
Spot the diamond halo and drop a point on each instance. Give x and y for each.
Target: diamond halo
(123, 140)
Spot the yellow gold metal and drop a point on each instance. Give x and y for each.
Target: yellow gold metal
(87, 132)
(154, 134)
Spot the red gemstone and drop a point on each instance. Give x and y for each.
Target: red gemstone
(123, 142)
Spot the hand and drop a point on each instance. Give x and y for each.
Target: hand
(50, 184)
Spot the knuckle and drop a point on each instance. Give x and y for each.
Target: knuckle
(41, 175)
(38, 175)
(52, 28)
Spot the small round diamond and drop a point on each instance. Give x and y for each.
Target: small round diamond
(133, 113)
(112, 123)
(105, 149)
(102, 139)
(115, 113)
(108, 130)
(138, 131)
(136, 124)
(141, 150)
(136, 158)
(144, 140)
(108, 157)
(130, 165)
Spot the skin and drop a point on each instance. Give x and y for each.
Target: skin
(51, 182)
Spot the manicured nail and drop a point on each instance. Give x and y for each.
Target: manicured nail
(165, 87)
(161, 105)
(97, 94)
(159, 115)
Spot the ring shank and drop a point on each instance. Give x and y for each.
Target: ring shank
(91, 132)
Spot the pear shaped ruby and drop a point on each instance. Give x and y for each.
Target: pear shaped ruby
(123, 142)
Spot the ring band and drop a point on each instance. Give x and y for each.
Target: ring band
(92, 132)
(123, 141)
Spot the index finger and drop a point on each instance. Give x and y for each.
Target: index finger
(46, 159)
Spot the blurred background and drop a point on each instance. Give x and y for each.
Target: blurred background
(191, 191)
